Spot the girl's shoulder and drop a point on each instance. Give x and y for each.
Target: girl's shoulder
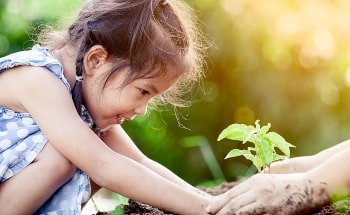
(37, 56)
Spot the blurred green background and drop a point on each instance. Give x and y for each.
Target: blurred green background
(284, 62)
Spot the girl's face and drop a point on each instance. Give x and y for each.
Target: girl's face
(112, 104)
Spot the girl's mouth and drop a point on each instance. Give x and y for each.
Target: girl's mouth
(120, 119)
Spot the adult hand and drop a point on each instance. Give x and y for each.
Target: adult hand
(292, 165)
(277, 194)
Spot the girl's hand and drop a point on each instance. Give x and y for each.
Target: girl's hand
(271, 194)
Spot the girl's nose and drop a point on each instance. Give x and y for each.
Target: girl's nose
(141, 109)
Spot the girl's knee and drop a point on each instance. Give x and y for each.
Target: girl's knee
(54, 163)
(61, 167)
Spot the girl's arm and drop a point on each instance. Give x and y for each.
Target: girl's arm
(305, 163)
(117, 139)
(50, 104)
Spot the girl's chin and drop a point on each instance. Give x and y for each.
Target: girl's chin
(105, 128)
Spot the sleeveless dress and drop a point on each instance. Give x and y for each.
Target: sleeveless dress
(21, 139)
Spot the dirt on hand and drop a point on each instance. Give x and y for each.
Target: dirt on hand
(137, 208)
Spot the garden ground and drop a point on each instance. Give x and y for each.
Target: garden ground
(136, 208)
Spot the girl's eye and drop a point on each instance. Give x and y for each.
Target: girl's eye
(144, 92)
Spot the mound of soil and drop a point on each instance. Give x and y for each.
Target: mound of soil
(136, 208)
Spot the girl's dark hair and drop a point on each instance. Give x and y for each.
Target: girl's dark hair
(139, 35)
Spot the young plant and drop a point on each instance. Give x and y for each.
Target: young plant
(263, 152)
(105, 199)
(119, 209)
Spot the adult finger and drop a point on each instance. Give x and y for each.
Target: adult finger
(253, 208)
(257, 208)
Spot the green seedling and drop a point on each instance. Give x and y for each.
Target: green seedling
(119, 209)
(120, 202)
(263, 152)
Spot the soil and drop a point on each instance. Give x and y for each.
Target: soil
(136, 208)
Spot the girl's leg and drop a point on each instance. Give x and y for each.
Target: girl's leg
(26, 191)
(94, 188)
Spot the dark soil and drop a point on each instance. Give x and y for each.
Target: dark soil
(136, 208)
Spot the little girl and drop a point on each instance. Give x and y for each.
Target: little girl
(115, 58)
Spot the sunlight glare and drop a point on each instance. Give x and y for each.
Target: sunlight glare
(347, 77)
(324, 43)
(234, 7)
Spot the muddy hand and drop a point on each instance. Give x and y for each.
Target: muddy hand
(271, 194)
(292, 165)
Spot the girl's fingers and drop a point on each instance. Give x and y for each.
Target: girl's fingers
(217, 204)
(225, 198)
(235, 204)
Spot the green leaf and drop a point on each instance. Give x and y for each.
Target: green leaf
(234, 153)
(263, 153)
(279, 142)
(252, 149)
(265, 150)
(121, 199)
(233, 132)
(258, 163)
(119, 210)
(277, 157)
(264, 129)
(249, 134)
(122, 202)
(257, 125)
(237, 152)
(248, 154)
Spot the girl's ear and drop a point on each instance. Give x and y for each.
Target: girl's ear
(95, 57)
